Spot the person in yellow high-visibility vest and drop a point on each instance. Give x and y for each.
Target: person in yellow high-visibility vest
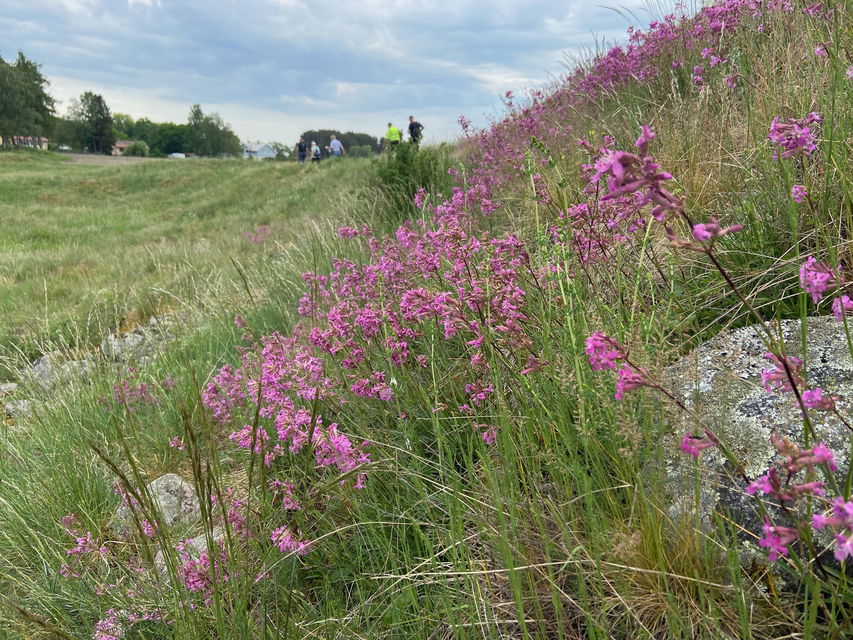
(393, 136)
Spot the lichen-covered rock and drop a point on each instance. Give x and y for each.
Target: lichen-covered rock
(52, 369)
(720, 381)
(175, 498)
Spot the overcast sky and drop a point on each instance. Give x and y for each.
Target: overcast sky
(274, 68)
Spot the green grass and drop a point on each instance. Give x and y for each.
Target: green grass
(88, 248)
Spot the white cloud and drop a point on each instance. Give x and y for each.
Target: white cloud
(273, 68)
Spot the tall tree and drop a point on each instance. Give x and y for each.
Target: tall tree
(209, 135)
(123, 126)
(92, 112)
(26, 108)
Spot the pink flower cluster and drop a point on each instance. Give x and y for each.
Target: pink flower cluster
(841, 520)
(108, 628)
(85, 547)
(794, 137)
(201, 574)
(799, 193)
(603, 353)
(286, 542)
(817, 278)
(779, 484)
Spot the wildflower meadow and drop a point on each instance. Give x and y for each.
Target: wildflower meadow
(447, 412)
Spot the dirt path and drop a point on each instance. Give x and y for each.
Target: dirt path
(97, 158)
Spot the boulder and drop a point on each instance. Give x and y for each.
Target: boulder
(721, 382)
(175, 500)
(19, 409)
(125, 347)
(8, 388)
(51, 370)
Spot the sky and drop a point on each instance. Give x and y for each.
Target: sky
(275, 68)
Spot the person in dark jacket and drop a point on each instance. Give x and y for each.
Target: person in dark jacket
(415, 130)
(301, 150)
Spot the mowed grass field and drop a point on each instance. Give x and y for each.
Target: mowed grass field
(85, 248)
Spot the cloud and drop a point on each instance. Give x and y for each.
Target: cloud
(272, 66)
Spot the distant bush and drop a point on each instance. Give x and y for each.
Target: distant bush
(361, 151)
(138, 148)
(405, 169)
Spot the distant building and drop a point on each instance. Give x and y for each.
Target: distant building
(34, 142)
(258, 151)
(121, 146)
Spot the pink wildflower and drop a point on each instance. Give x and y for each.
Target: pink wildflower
(603, 351)
(794, 137)
(710, 231)
(816, 278)
(763, 484)
(630, 379)
(775, 540)
(148, 529)
(779, 378)
(286, 542)
(814, 399)
(490, 436)
(799, 193)
(841, 307)
(420, 196)
(108, 628)
(694, 445)
(822, 454)
(843, 546)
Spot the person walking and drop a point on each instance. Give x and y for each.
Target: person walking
(336, 147)
(301, 150)
(393, 136)
(315, 152)
(415, 130)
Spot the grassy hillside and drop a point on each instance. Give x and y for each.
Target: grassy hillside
(457, 426)
(87, 248)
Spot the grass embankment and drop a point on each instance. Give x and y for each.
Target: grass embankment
(507, 492)
(86, 249)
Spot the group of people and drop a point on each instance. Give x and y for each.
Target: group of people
(393, 136)
(335, 149)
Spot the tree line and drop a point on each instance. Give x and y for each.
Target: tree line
(28, 110)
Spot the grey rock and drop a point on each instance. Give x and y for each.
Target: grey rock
(19, 409)
(126, 347)
(175, 500)
(194, 547)
(51, 370)
(8, 388)
(720, 381)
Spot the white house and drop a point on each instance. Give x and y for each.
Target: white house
(258, 151)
